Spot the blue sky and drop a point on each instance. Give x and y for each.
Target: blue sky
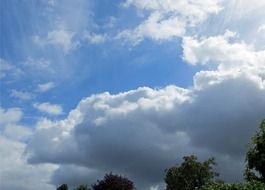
(112, 66)
(134, 79)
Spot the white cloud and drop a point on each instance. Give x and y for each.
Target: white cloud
(156, 28)
(93, 38)
(261, 29)
(16, 173)
(10, 127)
(168, 19)
(148, 129)
(40, 65)
(242, 16)
(61, 38)
(9, 116)
(22, 95)
(46, 107)
(230, 58)
(45, 87)
(17, 132)
(11, 72)
(7, 69)
(261, 35)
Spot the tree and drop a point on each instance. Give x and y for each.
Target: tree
(62, 187)
(113, 182)
(250, 185)
(190, 175)
(255, 158)
(81, 187)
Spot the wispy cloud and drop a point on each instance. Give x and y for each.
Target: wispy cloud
(51, 109)
(93, 38)
(38, 64)
(11, 115)
(45, 87)
(21, 94)
(9, 70)
(61, 38)
(168, 19)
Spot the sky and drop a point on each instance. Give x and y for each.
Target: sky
(89, 87)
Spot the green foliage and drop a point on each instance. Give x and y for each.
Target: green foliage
(190, 175)
(81, 187)
(255, 158)
(113, 182)
(62, 187)
(252, 185)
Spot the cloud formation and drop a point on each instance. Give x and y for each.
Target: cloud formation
(8, 70)
(151, 129)
(61, 38)
(21, 95)
(16, 173)
(230, 59)
(141, 132)
(168, 19)
(47, 107)
(10, 115)
(93, 38)
(45, 87)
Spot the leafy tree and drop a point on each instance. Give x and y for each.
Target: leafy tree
(190, 175)
(113, 182)
(251, 185)
(62, 187)
(81, 187)
(255, 158)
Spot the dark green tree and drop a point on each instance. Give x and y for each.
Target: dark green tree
(81, 187)
(190, 175)
(113, 182)
(255, 158)
(62, 187)
(250, 185)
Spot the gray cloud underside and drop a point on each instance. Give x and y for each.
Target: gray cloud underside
(142, 132)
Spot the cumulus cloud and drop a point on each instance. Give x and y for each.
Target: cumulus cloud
(17, 132)
(11, 115)
(101, 120)
(141, 132)
(16, 173)
(230, 58)
(221, 49)
(151, 129)
(10, 126)
(46, 107)
(242, 16)
(45, 87)
(168, 19)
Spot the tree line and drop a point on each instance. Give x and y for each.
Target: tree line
(192, 174)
